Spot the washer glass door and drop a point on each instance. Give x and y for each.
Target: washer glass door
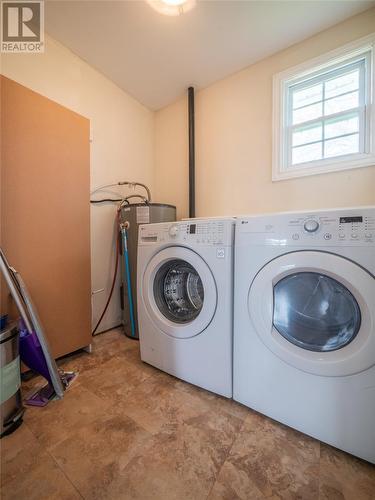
(178, 291)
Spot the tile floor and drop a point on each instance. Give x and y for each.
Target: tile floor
(124, 430)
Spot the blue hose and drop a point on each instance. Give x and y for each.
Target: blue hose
(128, 280)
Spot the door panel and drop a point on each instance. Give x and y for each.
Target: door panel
(45, 210)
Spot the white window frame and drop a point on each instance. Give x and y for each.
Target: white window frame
(281, 164)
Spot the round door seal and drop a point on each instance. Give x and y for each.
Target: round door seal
(161, 322)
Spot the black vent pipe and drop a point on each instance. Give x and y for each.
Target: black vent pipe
(191, 152)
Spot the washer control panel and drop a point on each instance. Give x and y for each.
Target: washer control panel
(202, 232)
(311, 225)
(333, 227)
(173, 231)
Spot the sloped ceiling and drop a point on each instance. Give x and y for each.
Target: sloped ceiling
(155, 57)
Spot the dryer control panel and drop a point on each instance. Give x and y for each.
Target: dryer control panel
(200, 232)
(353, 227)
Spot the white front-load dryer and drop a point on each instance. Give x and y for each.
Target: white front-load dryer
(185, 300)
(304, 323)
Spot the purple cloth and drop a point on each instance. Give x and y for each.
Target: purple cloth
(31, 354)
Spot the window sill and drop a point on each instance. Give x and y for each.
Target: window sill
(322, 167)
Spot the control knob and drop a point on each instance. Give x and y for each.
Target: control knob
(173, 231)
(311, 225)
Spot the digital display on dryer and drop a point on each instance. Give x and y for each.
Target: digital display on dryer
(192, 228)
(345, 220)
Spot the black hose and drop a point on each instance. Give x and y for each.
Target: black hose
(191, 114)
(106, 200)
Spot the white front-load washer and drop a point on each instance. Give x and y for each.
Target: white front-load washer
(304, 323)
(185, 300)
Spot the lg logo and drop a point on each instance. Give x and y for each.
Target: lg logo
(22, 26)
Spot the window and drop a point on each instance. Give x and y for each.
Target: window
(323, 119)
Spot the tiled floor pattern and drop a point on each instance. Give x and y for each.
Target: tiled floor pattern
(124, 430)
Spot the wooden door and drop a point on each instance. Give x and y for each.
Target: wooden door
(45, 211)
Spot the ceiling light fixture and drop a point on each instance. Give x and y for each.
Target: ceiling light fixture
(172, 7)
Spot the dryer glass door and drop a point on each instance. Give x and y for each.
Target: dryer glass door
(315, 312)
(178, 291)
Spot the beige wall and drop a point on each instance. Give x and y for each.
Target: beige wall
(234, 139)
(233, 134)
(121, 149)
